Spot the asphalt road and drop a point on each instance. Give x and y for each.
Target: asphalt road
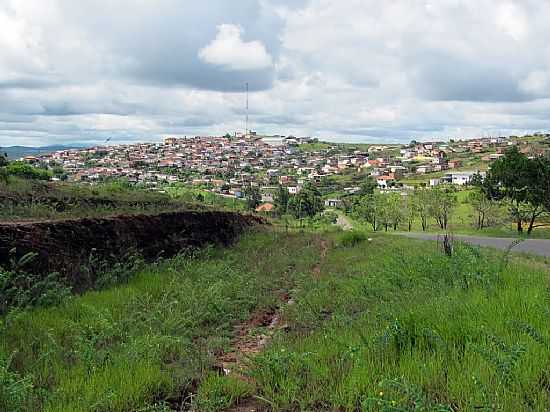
(535, 246)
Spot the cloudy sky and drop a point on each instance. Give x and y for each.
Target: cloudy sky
(350, 70)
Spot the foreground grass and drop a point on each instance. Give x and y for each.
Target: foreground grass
(393, 325)
(386, 324)
(145, 345)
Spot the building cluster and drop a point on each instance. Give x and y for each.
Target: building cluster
(226, 165)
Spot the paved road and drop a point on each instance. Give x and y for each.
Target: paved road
(535, 246)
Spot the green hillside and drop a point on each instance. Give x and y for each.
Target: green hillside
(16, 152)
(311, 321)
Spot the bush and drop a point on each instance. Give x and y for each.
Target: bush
(20, 289)
(26, 171)
(352, 238)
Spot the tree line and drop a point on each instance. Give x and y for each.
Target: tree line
(390, 210)
(515, 182)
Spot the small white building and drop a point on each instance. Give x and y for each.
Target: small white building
(333, 202)
(385, 181)
(294, 189)
(462, 178)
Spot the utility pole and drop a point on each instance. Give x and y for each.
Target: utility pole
(246, 123)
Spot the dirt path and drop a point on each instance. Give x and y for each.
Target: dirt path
(344, 222)
(247, 344)
(317, 268)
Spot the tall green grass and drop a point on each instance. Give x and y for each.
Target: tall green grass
(150, 341)
(391, 324)
(395, 325)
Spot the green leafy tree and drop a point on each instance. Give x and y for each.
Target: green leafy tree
(253, 197)
(522, 182)
(443, 202)
(421, 203)
(368, 186)
(366, 209)
(26, 171)
(394, 209)
(281, 200)
(306, 203)
(409, 211)
(483, 208)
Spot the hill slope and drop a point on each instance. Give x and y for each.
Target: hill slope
(16, 152)
(332, 322)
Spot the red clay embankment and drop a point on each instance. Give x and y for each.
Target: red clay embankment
(65, 246)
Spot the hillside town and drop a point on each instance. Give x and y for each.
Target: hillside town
(226, 164)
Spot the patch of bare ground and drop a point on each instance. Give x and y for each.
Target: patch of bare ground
(250, 339)
(323, 244)
(247, 343)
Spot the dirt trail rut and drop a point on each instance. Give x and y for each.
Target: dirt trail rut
(246, 345)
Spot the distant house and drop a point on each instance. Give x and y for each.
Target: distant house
(462, 178)
(453, 164)
(267, 197)
(333, 202)
(435, 182)
(385, 181)
(424, 169)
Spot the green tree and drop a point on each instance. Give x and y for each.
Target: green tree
(443, 202)
(366, 208)
(409, 211)
(394, 206)
(281, 200)
(368, 186)
(26, 171)
(483, 206)
(253, 197)
(523, 183)
(421, 203)
(307, 203)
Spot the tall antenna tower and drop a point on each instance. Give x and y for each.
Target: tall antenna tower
(246, 124)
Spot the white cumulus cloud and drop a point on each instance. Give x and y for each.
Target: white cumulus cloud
(229, 50)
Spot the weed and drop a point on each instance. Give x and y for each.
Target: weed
(218, 392)
(352, 238)
(14, 390)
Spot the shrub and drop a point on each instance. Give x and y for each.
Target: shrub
(352, 238)
(26, 171)
(20, 289)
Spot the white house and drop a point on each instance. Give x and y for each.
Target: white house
(333, 202)
(385, 181)
(462, 178)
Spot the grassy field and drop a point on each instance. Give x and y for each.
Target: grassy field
(22, 200)
(149, 341)
(462, 221)
(395, 325)
(386, 324)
